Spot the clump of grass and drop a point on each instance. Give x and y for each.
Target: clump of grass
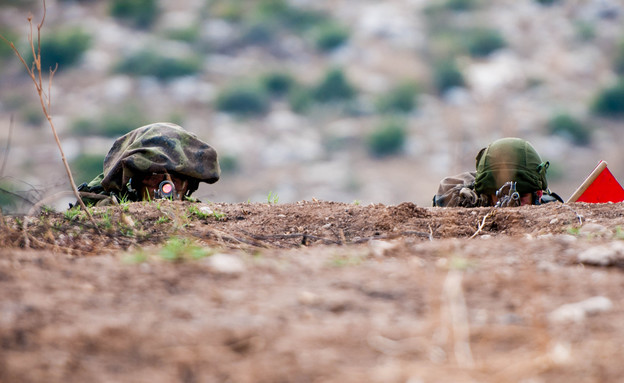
(73, 214)
(272, 198)
(179, 249)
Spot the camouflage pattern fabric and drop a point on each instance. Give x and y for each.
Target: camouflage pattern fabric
(156, 148)
(510, 159)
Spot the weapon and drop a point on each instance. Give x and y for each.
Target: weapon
(166, 189)
(507, 195)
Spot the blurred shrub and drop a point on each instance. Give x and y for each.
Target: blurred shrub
(32, 114)
(64, 47)
(387, 139)
(113, 123)
(447, 75)
(9, 198)
(290, 17)
(300, 99)
(86, 167)
(401, 99)
(189, 34)
(243, 100)
(461, 5)
(17, 3)
(258, 33)
(329, 35)
(334, 87)
(278, 83)
(546, 2)
(610, 101)
(5, 50)
(584, 30)
(139, 13)
(229, 163)
(150, 63)
(480, 42)
(569, 127)
(618, 60)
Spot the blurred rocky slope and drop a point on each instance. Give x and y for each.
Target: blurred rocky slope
(338, 100)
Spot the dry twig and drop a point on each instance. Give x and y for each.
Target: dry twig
(481, 225)
(45, 99)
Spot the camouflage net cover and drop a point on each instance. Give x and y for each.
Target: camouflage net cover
(156, 148)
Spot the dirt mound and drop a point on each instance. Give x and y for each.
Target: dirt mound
(312, 291)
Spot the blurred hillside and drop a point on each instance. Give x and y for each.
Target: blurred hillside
(336, 100)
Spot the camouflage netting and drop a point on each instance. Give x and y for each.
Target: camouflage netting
(156, 148)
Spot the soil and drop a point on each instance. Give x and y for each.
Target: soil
(313, 292)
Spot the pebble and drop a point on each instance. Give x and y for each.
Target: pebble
(225, 264)
(577, 312)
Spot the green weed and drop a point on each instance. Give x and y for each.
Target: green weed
(179, 249)
(162, 220)
(72, 214)
(272, 198)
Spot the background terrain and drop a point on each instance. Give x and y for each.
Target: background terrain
(335, 100)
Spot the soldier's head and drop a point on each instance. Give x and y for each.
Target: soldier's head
(511, 160)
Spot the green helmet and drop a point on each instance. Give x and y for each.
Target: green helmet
(510, 159)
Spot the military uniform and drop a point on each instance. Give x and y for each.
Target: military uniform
(509, 164)
(157, 151)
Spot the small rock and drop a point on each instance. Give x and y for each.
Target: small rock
(379, 248)
(577, 312)
(206, 210)
(603, 255)
(225, 264)
(554, 221)
(308, 298)
(593, 229)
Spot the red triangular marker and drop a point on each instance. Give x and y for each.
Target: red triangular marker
(599, 187)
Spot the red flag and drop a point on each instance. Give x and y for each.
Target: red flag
(599, 187)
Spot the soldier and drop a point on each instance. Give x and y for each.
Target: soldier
(509, 172)
(160, 160)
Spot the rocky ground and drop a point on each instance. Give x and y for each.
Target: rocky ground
(313, 291)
